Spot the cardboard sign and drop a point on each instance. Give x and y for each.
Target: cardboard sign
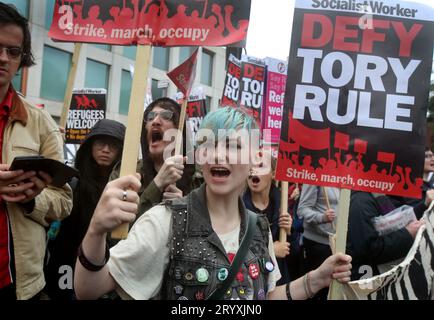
(355, 106)
(88, 106)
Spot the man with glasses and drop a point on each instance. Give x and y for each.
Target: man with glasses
(27, 201)
(164, 176)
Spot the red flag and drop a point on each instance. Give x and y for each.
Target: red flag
(360, 146)
(183, 75)
(342, 140)
(313, 139)
(385, 157)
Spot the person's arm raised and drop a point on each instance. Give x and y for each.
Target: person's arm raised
(118, 204)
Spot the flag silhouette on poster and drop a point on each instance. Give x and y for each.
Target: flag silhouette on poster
(366, 89)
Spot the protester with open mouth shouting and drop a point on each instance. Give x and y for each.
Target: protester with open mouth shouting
(263, 197)
(161, 178)
(189, 248)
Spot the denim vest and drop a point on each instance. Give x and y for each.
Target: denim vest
(199, 263)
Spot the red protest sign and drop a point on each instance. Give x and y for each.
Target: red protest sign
(183, 76)
(272, 109)
(160, 23)
(358, 94)
(253, 73)
(231, 91)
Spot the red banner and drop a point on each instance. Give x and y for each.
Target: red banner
(160, 23)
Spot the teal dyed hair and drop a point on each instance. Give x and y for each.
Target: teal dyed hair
(228, 118)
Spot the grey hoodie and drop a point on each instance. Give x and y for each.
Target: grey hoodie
(312, 208)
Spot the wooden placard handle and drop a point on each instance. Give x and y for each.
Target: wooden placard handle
(70, 85)
(328, 204)
(283, 207)
(134, 124)
(178, 145)
(335, 290)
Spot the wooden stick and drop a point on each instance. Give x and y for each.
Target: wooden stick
(283, 207)
(70, 85)
(326, 197)
(328, 205)
(134, 125)
(181, 125)
(335, 291)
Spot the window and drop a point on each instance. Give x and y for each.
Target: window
(185, 53)
(21, 5)
(130, 52)
(161, 58)
(157, 92)
(105, 47)
(124, 101)
(55, 70)
(49, 12)
(207, 66)
(97, 74)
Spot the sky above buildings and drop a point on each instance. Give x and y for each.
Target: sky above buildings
(270, 27)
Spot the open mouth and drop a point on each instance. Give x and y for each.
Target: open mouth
(220, 172)
(255, 179)
(156, 136)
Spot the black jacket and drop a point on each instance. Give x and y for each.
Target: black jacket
(87, 191)
(364, 244)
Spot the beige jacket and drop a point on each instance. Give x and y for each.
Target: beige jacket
(31, 131)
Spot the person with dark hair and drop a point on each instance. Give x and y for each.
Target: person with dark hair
(27, 201)
(161, 178)
(95, 159)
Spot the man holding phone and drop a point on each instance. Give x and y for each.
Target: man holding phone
(27, 203)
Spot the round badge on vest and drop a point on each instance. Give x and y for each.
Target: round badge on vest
(269, 266)
(202, 275)
(188, 276)
(222, 274)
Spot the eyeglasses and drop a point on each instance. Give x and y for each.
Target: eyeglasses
(165, 115)
(14, 53)
(112, 144)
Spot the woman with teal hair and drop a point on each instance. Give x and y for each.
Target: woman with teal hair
(183, 249)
